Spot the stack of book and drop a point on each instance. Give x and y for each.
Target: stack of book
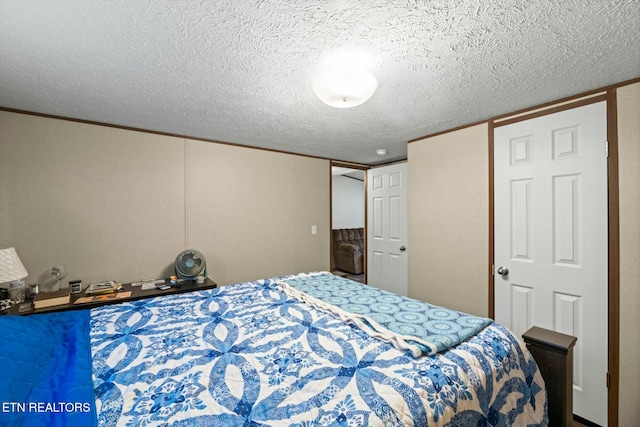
(49, 299)
(106, 287)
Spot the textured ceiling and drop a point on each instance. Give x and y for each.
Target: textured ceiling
(242, 71)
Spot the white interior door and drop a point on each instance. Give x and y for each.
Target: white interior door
(550, 177)
(387, 228)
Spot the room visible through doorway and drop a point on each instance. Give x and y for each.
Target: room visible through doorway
(348, 257)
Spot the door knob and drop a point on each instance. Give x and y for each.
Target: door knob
(503, 271)
(403, 248)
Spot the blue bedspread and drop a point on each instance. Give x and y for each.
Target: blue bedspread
(45, 371)
(252, 355)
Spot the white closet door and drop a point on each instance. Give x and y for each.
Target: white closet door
(550, 176)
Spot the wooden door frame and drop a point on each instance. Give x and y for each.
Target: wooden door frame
(608, 95)
(355, 166)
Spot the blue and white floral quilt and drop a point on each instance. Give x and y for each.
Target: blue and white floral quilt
(254, 355)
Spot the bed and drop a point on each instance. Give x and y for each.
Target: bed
(311, 349)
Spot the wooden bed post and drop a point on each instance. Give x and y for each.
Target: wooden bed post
(553, 352)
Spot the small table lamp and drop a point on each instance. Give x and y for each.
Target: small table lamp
(11, 267)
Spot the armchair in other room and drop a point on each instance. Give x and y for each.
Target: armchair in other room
(348, 250)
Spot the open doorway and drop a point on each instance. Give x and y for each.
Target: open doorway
(348, 222)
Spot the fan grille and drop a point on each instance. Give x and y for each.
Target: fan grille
(190, 263)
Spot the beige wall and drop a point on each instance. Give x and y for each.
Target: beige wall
(448, 219)
(104, 202)
(112, 203)
(629, 164)
(252, 211)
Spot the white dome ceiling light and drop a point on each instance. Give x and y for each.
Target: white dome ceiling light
(345, 88)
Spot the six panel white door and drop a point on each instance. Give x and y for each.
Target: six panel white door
(550, 205)
(387, 228)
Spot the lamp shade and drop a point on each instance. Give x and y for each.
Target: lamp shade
(11, 267)
(345, 88)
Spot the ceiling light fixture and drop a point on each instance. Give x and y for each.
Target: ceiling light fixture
(381, 152)
(345, 88)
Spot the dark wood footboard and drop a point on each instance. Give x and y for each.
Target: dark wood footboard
(553, 353)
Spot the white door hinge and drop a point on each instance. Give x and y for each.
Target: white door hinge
(606, 148)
